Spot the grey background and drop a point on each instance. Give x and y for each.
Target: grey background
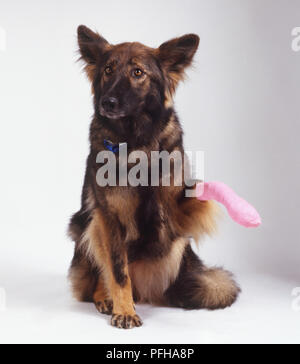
(240, 105)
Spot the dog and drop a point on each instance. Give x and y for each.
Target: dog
(133, 243)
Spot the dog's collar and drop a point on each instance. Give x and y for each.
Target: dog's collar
(115, 148)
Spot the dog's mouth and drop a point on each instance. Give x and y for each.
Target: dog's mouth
(112, 115)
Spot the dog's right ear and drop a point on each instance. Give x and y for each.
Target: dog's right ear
(91, 47)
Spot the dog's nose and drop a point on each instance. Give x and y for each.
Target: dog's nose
(110, 104)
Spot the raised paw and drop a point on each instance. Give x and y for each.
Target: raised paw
(105, 307)
(126, 321)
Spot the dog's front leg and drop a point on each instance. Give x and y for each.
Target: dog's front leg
(124, 315)
(112, 257)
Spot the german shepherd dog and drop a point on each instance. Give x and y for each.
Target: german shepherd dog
(133, 244)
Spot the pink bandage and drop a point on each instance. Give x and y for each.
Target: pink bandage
(239, 210)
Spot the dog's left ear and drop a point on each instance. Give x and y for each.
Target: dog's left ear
(177, 54)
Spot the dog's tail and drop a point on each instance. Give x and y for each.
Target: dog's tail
(199, 287)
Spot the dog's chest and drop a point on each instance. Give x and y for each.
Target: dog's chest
(146, 221)
(154, 228)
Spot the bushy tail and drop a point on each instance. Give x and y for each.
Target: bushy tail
(198, 287)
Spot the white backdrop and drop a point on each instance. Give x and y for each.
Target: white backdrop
(240, 105)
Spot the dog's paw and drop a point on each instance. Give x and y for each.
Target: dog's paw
(105, 307)
(126, 321)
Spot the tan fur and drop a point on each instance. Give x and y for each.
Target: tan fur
(151, 279)
(170, 132)
(218, 288)
(95, 241)
(87, 242)
(169, 102)
(122, 297)
(174, 79)
(169, 129)
(101, 292)
(124, 203)
(90, 200)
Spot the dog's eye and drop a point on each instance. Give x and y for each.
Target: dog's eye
(138, 73)
(108, 70)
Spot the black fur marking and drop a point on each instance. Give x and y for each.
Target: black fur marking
(149, 223)
(118, 268)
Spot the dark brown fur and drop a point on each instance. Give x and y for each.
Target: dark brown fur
(133, 243)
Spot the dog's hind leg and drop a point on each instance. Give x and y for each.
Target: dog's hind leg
(198, 287)
(83, 277)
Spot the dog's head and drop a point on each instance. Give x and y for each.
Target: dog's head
(134, 84)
